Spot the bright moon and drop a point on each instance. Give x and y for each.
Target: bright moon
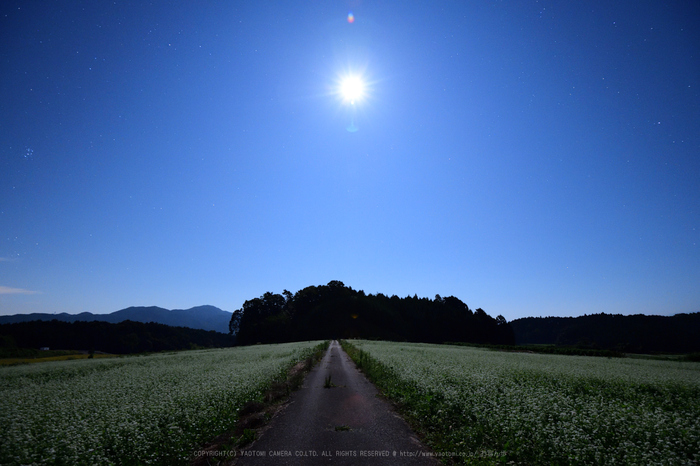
(352, 88)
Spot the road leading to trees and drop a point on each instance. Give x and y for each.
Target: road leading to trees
(344, 424)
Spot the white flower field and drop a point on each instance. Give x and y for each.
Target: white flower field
(520, 408)
(543, 409)
(153, 409)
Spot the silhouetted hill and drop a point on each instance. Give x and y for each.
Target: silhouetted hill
(119, 338)
(337, 311)
(200, 317)
(635, 334)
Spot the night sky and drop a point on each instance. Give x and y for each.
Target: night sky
(529, 157)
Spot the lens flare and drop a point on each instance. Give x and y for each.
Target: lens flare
(351, 18)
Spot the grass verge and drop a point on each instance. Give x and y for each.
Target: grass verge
(63, 357)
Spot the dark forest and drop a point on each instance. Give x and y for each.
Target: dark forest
(337, 311)
(631, 334)
(121, 338)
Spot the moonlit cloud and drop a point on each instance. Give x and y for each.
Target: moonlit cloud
(8, 290)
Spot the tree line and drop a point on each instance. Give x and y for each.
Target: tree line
(121, 338)
(631, 334)
(335, 311)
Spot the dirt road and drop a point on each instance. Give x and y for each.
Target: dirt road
(344, 424)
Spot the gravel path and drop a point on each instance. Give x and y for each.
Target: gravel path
(344, 424)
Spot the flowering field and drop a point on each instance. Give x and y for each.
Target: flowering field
(151, 409)
(541, 409)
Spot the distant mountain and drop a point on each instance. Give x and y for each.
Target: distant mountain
(200, 317)
(635, 333)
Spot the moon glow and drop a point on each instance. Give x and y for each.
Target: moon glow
(352, 89)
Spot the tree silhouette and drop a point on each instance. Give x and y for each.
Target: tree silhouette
(337, 311)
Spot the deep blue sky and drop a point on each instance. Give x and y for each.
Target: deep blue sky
(531, 158)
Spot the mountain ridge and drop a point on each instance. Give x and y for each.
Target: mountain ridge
(205, 317)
